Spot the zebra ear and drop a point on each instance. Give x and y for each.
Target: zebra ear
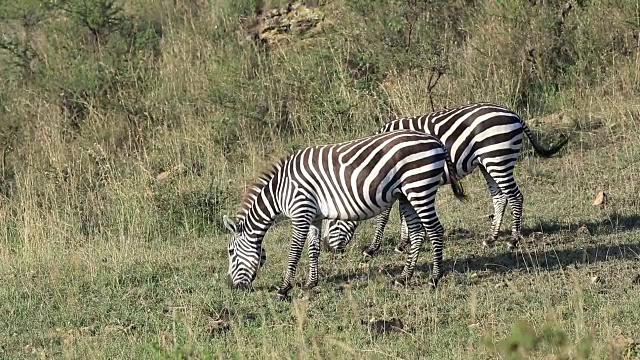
(229, 224)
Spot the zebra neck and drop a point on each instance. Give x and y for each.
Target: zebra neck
(263, 211)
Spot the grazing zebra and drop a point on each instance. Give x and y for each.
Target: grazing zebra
(483, 135)
(354, 180)
(335, 235)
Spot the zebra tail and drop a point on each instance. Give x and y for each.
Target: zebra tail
(456, 185)
(546, 153)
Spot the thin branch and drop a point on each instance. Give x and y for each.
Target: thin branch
(431, 84)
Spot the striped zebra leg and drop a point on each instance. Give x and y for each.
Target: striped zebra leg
(435, 231)
(425, 217)
(416, 237)
(504, 179)
(499, 205)
(404, 235)
(301, 226)
(515, 200)
(314, 254)
(381, 222)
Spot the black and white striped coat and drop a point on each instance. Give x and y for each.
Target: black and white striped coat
(353, 181)
(479, 135)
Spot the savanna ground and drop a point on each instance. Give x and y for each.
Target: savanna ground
(128, 129)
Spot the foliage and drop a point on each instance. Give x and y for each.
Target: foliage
(524, 342)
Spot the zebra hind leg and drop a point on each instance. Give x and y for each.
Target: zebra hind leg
(499, 206)
(403, 244)
(515, 200)
(435, 231)
(300, 231)
(381, 223)
(508, 187)
(416, 237)
(423, 216)
(314, 255)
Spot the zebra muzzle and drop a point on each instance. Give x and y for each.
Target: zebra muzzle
(239, 286)
(242, 286)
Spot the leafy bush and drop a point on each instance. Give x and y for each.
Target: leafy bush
(524, 342)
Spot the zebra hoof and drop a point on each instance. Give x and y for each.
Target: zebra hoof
(282, 292)
(398, 283)
(241, 286)
(310, 286)
(512, 245)
(282, 297)
(488, 243)
(433, 283)
(398, 250)
(367, 255)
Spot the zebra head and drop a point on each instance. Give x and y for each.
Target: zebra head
(386, 127)
(338, 233)
(245, 255)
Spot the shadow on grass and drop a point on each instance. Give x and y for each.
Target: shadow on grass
(613, 224)
(547, 259)
(531, 255)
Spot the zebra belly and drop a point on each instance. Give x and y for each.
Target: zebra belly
(340, 211)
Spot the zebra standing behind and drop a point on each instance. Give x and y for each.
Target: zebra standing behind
(479, 135)
(354, 181)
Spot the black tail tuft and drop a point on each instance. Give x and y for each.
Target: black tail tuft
(456, 185)
(546, 153)
(458, 190)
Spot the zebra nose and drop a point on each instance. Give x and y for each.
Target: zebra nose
(241, 286)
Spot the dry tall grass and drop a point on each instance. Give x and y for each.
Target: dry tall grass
(113, 193)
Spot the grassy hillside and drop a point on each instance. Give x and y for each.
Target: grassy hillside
(128, 129)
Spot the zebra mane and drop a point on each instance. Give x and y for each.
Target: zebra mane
(254, 189)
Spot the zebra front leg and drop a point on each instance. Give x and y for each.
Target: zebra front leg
(314, 255)
(381, 222)
(300, 232)
(499, 206)
(416, 237)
